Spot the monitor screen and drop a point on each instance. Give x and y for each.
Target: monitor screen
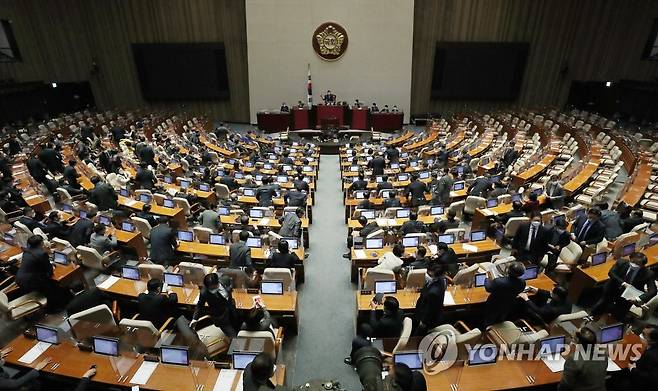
(477, 236)
(216, 239)
(516, 197)
(307, 168)
(127, 226)
(107, 346)
(46, 334)
(538, 191)
(173, 279)
(460, 169)
(480, 278)
(174, 355)
(145, 198)
(413, 164)
(168, 203)
(387, 193)
(271, 287)
(492, 203)
(402, 213)
(552, 345)
(82, 214)
(375, 243)
(184, 184)
(410, 241)
(424, 175)
(67, 208)
(486, 354)
(447, 238)
(379, 179)
(287, 168)
(359, 195)
(124, 192)
(241, 360)
(204, 187)
(254, 242)
(130, 272)
(612, 333)
(238, 175)
(186, 236)
(223, 211)
(282, 179)
(458, 186)
(9, 238)
(293, 243)
(258, 177)
(436, 210)
(256, 213)
(414, 360)
(105, 221)
(354, 168)
(60, 258)
(395, 166)
(368, 213)
(385, 287)
(403, 177)
(599, 258)
(628, 250)
(168, 179)
(268, 166)
(249, 192)
(531, 272)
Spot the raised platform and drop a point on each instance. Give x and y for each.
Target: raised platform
(330, 141)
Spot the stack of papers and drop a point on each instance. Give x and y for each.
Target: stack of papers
(107, 284)
(448, 299)
(225, 379)
(555, 362)
(631, 293)
(143, 374)
(131, 202)
(382, 222)
(469, 248)
(359, 253)
(34, 353)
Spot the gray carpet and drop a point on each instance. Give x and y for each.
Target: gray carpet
(326, 301)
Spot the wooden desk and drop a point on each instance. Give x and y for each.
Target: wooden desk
(271, 222)
(9, 251)
(209, 196)
(419, 144)
(74, 363)
(402, 138)
(173, 213)
(638, 187)
(585, 174)
(534, 171)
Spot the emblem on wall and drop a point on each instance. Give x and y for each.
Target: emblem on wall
(330, 41)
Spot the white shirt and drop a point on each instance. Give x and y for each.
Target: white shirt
(389, 261)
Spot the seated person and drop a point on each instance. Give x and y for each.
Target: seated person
(588, 230)
(517, 211)
(100, 242)
(54, 227)
(421, 261)
(634, 220)
(412, 225)
(547, 305)
(146, 214)
(367, 203)
(296, 197)
(451, 220)
(256, 376)
(258, 319)
(392, 201)
(155, 306)
(447, 257)
(283, 257)
(386, 325)
(366, 229)
(559, 239)
(391, 260)
(532, 204)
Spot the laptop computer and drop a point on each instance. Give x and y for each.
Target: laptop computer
(410, 241)
(223, 211)
(368, 213)
(185, 236)
(46, 334)
(485, 354)
(184, 184)
(599, 258)
(256, 213)
(293, 244)
(458, 186)
(177, 355)
(480, 278)
(402, 213)
(628, 250)
(254, 242)
(145, 198)
(492, 203)
(105, 221)
(478, 236)
(414, 360)
(173, 279)
(611, 333)
(374, 243)
(82, 214)
(130, 272)
(216, 239)
(271, 287)
(242, 359)
(168, 203)
(517, 197)
(127, 226)
(249, 192)
(436, 210)
(447, 238)
(385, 287)
(60, 258)
(124, 192)
(531, 272)
(105, 345)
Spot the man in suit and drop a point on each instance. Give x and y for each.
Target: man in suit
(38, 171)
(146, 214)
(147, 155)
(634, 220)
(359, 184)
(392, 201)
(510, 156)
(502, 292)
(216, 299)
(429, 306)
(367, 203)
(643, 373)
(392, 154)
(154, 306)
(239, 253)
(585, 366)
(54, 227)
(384, 184)
(588, 230)
(283, 257)
(480, 187)
(301, 184)
(623, 274)
(80, 232)
(103, 195)
(547, 305)
(441, 192)
(386, 325)
(531, 240)
(257, 374)
(229, 181)
(291, 224)
(209, 218)
(51, 159)
(517, 211)
(164, 241)
(266, 192)
(71, 175)
(611, 221)
(415, 191)
(447, 257)
(295, 197)
(554, 192)
(35, 274)
(145, 179)
(559, 239)
(28, 219)
(377, 164)
(101, 242)
(412, 225)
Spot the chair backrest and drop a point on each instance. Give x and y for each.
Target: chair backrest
(139, 332)
(22, 228)
(159, 198)
(456, 232)
(222, 191)
(237, 275)
(39, 231)
(424, 210)
(473, 203)
(4, 303)
(466, 276)
(90, 257)
(457, 208)
(63, 194)
(139, 192)
(202, 233)
(151, 270)
(142, 225)
(96, 320)
(570, 254)
(280, 273)
(416, 278)
(571, 316)
(373, 275)
(622, 241)
(192, 272)
(376, 234)
(183, 204)
(513, 225)
(404, 335)
(391, 213)
(267, 336)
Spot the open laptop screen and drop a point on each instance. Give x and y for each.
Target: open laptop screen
(174, 355)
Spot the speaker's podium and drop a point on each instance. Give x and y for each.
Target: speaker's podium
(300, 118)
(328, 114)
(360, 118)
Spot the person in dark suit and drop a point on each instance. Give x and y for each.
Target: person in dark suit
(644, 372)
(386, 325)
(392, 154)
(367, 203)
(154, 306)
(384, 184)
(146, 214)
(502, 292)
(588, 230)
(415, 191)
(623, 274)
(283, 257)
(377, 164)
(559, 239)
(239, 253)
(547, 305)
(392, 201)
(554, 193)
(510, 156)
(35, 274)
(144, 179)
(28, 219)
(301, 184)
(480, 187)
(584, 368)
(229, 181)
(531, 204)
(441, 191)
(38, 171)
(51, 159)
(531, 240)
(517, 211)
(266, 192)
(164, 242)
(429, 306)
(421, 261)
(54, 227)
(257, 374)
(80, 232)
(359, 184)
(71, 175)
(103, 195)
(147, 155)
(412, 225)
(216, 298)
(447, 257)
(634, 220)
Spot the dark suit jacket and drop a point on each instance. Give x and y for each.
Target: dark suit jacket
(429, 306)
(594, 234)
(386, 325)
(104, 196)
(412, 227)
(392, 154)
(229, 181)
(239, 255)
(359, 185)
(250, 384)
(71, 176)
(163, 243)
(156, 307)
(645, 376)
(546, 310)
(392, 203)
(288, 260)
(416, 190)
(442, 190)
(479, 187)
(145, 179)
(35, 270)
(502, 293)
(221, 310)
(644, 280)
(384, 185)
(377, 164)
(538, 247)
(81, 232)
(629, 223)
(30, 223)
(37, 169)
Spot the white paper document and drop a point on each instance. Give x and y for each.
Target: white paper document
(469, 248)
(107, 284)
(225, 379)
(555, 362)
(360, 253)
(143, 374)
(448, 299)
(238, 386)
(382, 222)
(131, 202)
(631, 293)
(34, 353)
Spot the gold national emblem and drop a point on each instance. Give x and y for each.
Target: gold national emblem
(330, 41)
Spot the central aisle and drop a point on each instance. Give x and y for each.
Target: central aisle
(326, 301)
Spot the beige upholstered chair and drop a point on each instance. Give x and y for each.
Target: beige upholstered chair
(466, 335)
(283, 274)
(21, 306)
(97, 320)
